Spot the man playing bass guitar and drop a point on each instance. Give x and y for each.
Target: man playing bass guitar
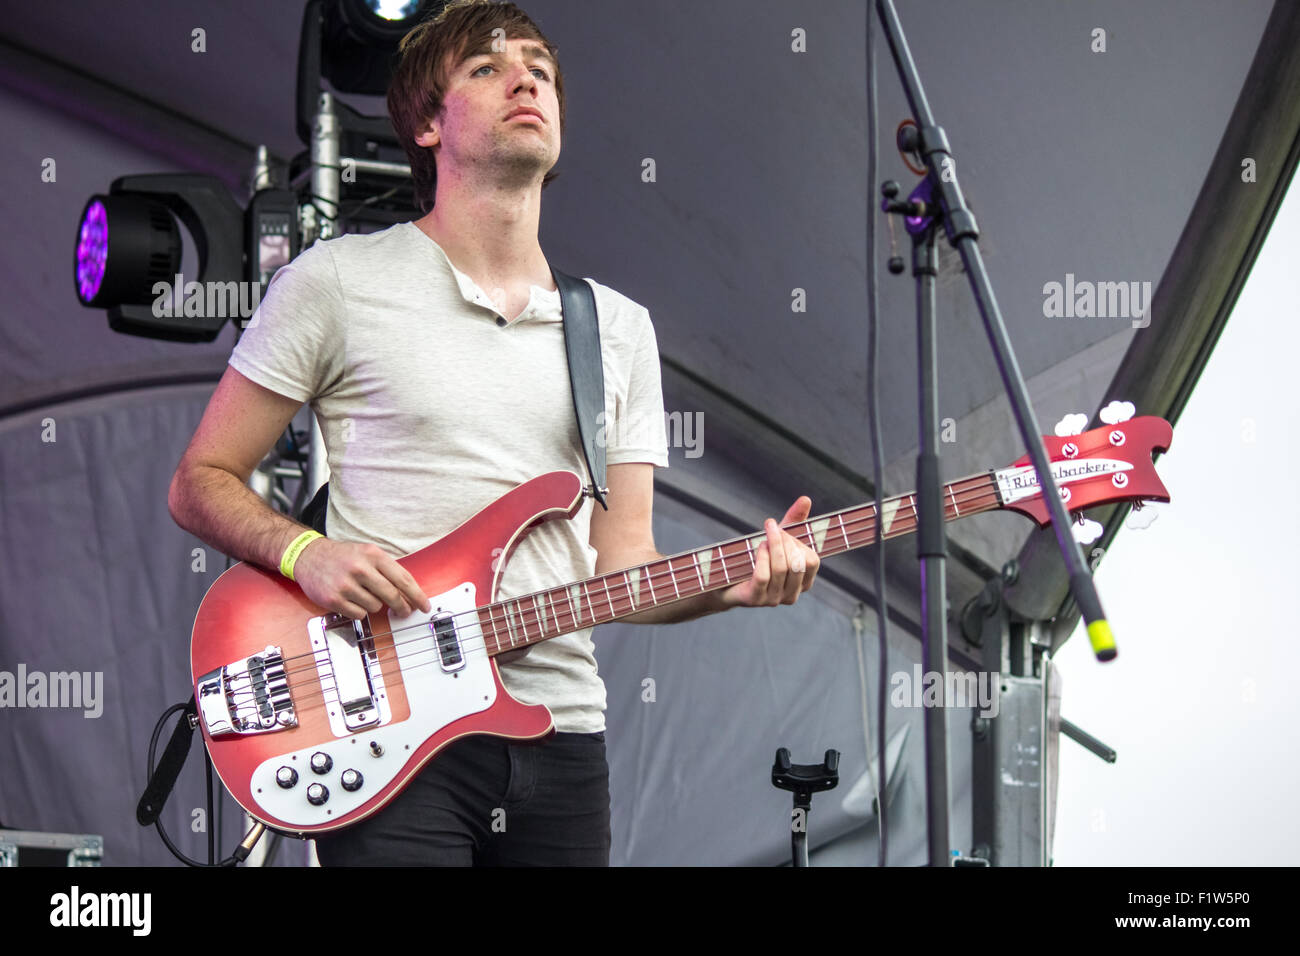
(433, 355)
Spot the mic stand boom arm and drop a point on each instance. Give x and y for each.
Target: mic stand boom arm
(930, 140)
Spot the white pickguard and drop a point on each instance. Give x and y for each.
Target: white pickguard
(436, 698)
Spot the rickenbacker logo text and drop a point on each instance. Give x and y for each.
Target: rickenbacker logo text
(1062, 473)
(1022, 482)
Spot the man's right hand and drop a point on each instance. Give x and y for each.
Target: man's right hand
(356, 579)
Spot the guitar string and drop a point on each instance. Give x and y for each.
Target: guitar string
(987, 487)
(394, 657)
(305, 699)
(736, 561)
(525, 606)
(902, 524)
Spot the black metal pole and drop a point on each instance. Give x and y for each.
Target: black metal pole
(931, 548)
(962, 233)
(799, 834)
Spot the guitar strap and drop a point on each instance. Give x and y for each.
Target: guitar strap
(586, 380)
(586, 373)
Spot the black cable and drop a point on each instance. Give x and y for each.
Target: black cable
(312, 197)
(298, 456)
(347, 214)
(343, 215)
(221, 812)
(277, 839)
(877, 442)
(322, 212)
(211, 823)
(300, 498)
(153, 749)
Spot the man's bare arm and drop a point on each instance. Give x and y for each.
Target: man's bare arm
(784, 567)
(209, 497)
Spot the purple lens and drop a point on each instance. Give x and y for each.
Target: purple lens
(92, 251)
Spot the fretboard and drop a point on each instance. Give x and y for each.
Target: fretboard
(531, 618)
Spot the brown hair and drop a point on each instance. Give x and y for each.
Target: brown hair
(424, 58)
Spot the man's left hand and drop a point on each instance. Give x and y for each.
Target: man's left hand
(784, 567)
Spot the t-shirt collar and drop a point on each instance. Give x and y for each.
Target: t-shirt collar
(544, 301)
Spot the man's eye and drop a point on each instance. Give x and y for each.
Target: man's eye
(536, 69)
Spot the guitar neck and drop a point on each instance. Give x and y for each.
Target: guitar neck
(532, 618)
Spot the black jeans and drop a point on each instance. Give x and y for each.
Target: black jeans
(487, 801)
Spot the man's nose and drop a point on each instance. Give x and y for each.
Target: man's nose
(523, 79)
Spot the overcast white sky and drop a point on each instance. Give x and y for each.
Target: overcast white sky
(1200, 703)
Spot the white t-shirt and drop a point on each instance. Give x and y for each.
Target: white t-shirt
(431, 410)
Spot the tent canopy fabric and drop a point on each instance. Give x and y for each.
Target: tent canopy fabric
(713, 169)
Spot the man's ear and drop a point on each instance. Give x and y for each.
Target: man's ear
(428, 135)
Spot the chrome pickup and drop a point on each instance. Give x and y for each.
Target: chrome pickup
(450, 655)
(352, 681)
(249, 696)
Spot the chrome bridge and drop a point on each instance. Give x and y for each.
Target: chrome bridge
(249, 696)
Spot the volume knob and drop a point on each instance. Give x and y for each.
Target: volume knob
(286, 777)
(321, 762)
(317, 794)
(352, 780)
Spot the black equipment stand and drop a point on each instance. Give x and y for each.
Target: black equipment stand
(803, 780)
(939, 200)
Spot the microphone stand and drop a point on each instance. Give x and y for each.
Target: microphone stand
(938, 199)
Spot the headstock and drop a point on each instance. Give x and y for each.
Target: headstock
(1102, 466)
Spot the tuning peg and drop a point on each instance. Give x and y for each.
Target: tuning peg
(1142, 516)
(1117, 412)
(1085, 530)
(1071, 425)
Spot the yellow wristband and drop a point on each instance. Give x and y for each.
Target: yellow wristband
(296, 548)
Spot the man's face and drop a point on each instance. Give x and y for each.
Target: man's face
(477, 126)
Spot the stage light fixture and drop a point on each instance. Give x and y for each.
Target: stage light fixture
(92, 250)
(128, 248)
(395, 10)
(124, 245)
(352, 44)
(360, 37)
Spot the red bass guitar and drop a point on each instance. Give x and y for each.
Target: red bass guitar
(315, 721)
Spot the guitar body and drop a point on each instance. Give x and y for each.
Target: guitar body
(314, 723)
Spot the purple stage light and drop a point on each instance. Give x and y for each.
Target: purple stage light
(92, 251)
(128, 245)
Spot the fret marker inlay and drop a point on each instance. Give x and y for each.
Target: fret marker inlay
(887, 516)
(575, 601)
(818, 529)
